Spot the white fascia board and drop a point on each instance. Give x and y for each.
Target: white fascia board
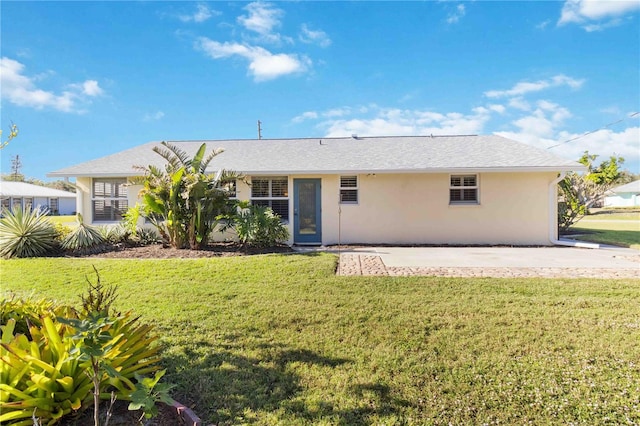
(95, 175)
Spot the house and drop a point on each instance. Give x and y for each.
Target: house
(374, 190)
(624, 196)
(27, 197)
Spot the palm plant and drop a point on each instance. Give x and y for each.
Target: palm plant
(83, 239)
(183, 200)
(26, 234)
(255, 225)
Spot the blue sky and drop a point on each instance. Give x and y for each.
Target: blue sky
(87, 79)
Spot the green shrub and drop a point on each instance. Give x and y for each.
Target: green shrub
(29, 311)
(84, 239)
(115, 234)
(256, 225)
(45, 373)
(26, 234)
(146, 236)
(62, 231)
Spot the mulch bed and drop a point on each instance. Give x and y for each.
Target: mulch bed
(122, 416)
(158, 251)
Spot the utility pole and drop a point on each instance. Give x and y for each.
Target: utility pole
(259, 130)
(16, 164)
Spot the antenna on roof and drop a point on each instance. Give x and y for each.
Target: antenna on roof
(259, 130)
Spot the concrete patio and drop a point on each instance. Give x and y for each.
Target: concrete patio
(552, 262)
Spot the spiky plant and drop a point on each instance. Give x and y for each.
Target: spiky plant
(115, 234)
(84, 239)
(26, 234)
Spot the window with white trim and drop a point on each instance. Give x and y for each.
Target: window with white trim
(53, 206)
(6, 205)
(271, 192)
(348, 189)
(463, 189)
(109, 199)
(28, 204)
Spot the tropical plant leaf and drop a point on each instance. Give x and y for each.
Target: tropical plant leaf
(26, 234)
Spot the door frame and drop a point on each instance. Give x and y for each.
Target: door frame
(315, 239)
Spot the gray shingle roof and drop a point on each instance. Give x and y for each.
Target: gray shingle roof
(389, 154)
(22, 189)
(629, 187)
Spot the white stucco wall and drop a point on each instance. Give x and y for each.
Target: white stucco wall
(414, 209)
(626, 199)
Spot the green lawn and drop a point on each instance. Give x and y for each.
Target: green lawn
(280, 339)
(615, 227)
(68, 220)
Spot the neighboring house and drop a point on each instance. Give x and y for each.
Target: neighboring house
(624, 196)
(26, 196)
(372, 190)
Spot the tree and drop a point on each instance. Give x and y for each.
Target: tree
(579, 192)
(13, 132)
(183, 200)
(16, 165)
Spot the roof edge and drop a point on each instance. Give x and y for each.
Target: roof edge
(544, 169)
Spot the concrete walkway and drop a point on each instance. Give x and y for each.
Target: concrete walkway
(498, 262)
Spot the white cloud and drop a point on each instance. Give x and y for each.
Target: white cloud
(202, 14)
(544, 127)
(21, 90)
(263, 65)
(500, 109)
(525, 87)
(393, 121)
(89, 88)
(307, 115)
(337, 112)
(543, 25)
(263, 19)
(541, 123)
(454, 17)
(158, 115)
(314, 36)
(519, 103)
(596, 15)
(605, 143)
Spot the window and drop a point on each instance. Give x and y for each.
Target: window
(271, 192)
(463, 189)
(28, 204)
(6, 205)
(109, 201)
(53, 206)
(348, 189)
(16, 204)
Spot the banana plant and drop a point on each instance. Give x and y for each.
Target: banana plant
(183, 200)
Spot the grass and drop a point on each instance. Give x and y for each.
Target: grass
(68, 220)
(627, 213)
(279, 339)
(615, 227)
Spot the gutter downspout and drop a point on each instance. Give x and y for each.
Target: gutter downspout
(553, 219)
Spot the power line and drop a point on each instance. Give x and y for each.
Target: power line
(593, 131)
